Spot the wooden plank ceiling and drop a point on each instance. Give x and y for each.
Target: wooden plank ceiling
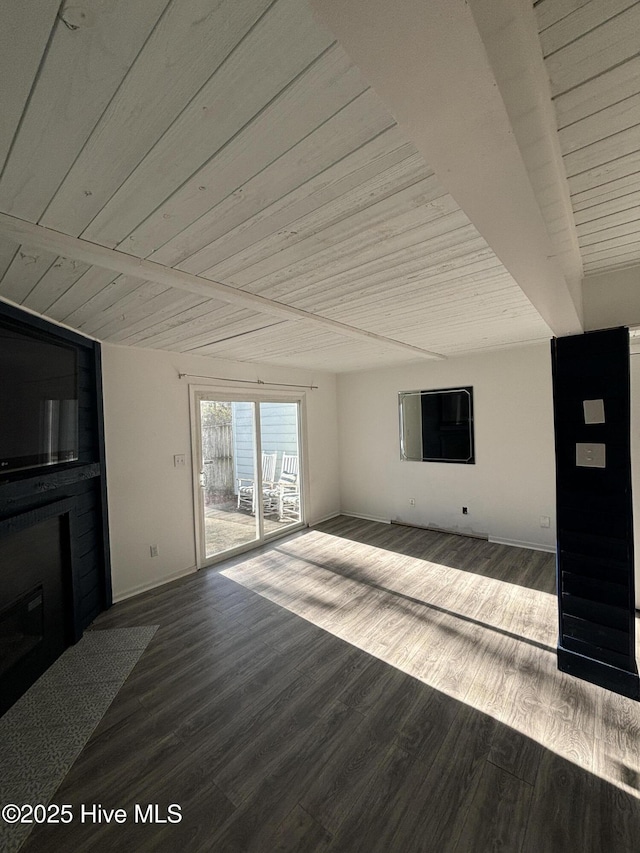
(591, 55)
(236, 142)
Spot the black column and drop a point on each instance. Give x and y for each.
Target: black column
(591, 400)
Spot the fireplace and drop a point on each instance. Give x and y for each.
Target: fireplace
(38, 617)
(21, 628)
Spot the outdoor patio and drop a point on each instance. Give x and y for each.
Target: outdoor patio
(226, 527)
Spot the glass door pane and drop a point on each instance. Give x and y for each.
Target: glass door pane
(228, 482)
(279, 435)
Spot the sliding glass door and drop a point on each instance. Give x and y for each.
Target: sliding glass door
(249, 486)
(224, 496)
(279, 430)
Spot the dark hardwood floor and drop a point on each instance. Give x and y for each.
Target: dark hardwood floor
(358, 687)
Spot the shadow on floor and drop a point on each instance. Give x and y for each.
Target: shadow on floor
(487, 559)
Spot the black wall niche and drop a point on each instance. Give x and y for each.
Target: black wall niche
(71, 495)
(595, 556)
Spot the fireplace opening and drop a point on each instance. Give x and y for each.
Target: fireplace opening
(36, 596)
(21, 628)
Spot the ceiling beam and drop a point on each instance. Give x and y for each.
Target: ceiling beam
(37, 236)
(429, 64)
(509, 32)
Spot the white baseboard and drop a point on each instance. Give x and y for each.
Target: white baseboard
(324, 518)
(145, 587)
(365, 517)
(518, 543)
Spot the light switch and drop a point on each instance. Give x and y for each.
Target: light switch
(590, 455)
(593, 411)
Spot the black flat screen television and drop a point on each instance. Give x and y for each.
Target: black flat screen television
(38, 400)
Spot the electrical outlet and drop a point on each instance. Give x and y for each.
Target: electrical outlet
(412, 501)
(465, 510)
(179, 460)
(153, 550)
(545, 521)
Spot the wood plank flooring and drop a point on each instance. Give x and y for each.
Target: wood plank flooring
(359, 687)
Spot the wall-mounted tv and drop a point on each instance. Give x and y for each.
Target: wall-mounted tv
(38, 399)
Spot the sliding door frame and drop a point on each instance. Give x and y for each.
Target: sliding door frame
(232, 394)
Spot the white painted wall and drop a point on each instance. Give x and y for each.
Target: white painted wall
(147, 422)
(512, 483)
(612, 299)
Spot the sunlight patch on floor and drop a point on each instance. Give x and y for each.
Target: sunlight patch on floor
(480, 640)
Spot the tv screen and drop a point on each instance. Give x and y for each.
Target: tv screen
(38, 400)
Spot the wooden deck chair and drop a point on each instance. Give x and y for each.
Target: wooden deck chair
(284, 498)
(246, 486)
